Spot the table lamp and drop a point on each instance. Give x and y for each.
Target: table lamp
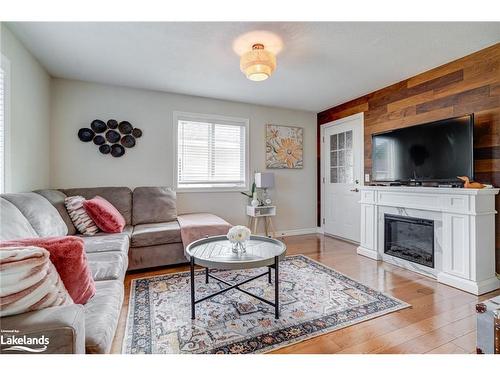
(264, 180)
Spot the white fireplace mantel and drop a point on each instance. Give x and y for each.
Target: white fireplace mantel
(465, 239)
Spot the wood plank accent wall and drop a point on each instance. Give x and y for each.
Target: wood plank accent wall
(467, 85)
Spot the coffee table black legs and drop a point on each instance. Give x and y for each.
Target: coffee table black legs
(192, 290)
(236, 286)
(276, 288)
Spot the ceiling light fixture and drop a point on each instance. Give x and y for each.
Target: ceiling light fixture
(258, 64)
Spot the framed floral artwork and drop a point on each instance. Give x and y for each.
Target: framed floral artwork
(284, 147)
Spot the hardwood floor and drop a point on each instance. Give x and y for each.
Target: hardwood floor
(441, 319)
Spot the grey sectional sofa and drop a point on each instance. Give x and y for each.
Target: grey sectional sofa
(151, 238)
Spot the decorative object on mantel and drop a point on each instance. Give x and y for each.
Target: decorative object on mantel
(109, 140)
(284, 147)
(238, 236)
(472, 184)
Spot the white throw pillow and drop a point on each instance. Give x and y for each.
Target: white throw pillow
(29, 281)
(81, 220)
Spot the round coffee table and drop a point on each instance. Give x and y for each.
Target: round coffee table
(216, 253)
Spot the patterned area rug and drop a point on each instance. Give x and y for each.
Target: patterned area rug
(315, 299)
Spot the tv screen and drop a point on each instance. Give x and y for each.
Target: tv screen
(436, 151)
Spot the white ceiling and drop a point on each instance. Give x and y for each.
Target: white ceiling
(322, 64)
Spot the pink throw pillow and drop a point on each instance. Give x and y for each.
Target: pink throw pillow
(68, 256)
(104, 215)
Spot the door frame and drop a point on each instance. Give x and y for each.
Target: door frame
(361, 123)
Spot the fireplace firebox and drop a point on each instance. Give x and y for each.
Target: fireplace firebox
(409, 238)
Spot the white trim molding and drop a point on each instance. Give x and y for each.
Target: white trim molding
(323, 174)
(7, 177)
(221, 119)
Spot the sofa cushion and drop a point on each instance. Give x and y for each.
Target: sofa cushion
(109, 265)
(56, 198)
(81, 219)
(29, 281)
(101, 316)
(41, 214)
(104, 214)
(109, 242)
(68, 256)
(13, 224)
(120, 197)
(156, 234)
(156, 255)
(153, 205)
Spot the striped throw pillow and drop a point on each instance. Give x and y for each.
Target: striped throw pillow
(29, 281)
(82, 221)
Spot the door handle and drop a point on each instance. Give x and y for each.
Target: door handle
(355, 190)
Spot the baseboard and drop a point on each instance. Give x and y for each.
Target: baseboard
(293, 232)
(470, 286)
(372, 254)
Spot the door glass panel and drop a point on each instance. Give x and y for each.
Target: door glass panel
(348, 139)
(341, 142)
(348, 158)
(333, 142)
(333, 159)
(333, 175)
(341, 158)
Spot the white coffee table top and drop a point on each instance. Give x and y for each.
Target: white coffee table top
(216, 252)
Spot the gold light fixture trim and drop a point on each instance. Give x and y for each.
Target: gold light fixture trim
(258, 64)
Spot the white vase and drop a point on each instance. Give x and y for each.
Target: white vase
(239, 247)
(255, 201)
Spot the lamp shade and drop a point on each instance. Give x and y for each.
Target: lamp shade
(264, 180)
(258, 64)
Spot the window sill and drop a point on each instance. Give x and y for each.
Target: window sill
(211, 189)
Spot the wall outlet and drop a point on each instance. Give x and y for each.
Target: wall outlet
(367, 177)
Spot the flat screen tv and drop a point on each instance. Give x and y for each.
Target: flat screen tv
(433, 152)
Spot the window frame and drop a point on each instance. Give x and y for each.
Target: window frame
(190, 116)
(5, 65)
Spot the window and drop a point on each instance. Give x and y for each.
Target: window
(4, 100)
(212, 152)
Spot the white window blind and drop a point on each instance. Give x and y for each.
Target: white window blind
(2, 130)
(211, 154)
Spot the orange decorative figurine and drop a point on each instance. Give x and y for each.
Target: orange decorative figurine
(471, 184)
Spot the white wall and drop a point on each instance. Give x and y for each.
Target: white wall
(76, 164)
(29, 117)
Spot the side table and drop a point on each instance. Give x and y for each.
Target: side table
(259, 212)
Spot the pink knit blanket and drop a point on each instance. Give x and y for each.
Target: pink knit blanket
(198, 226)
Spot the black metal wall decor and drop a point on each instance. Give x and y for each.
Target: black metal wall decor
(112, 137)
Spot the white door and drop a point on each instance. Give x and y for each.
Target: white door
(342, 170)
